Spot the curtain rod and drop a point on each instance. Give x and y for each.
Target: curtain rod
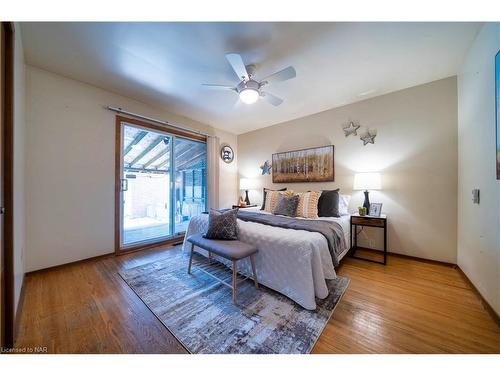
(119, 110)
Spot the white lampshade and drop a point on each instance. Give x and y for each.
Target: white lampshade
(367, 181)
(248, 184)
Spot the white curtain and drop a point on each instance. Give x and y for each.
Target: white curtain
(213, 172)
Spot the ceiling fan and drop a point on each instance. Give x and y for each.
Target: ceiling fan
(249, 89)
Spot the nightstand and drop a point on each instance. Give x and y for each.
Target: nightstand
(368, 221)
(248, 206)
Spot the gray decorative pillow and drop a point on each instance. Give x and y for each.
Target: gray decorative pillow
(286, 205)
(328, 203)
(222, 225)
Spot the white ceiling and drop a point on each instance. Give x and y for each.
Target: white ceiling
(165, 63)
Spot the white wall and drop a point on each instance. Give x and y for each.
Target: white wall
(415, 150)
(19, 164)
(70, 167)
(479, 225)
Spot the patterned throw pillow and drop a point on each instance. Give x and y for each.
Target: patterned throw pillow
(286, 205)
(264, 193)
(272, 197)
(271, 200)
(222, 225)
(308, 204)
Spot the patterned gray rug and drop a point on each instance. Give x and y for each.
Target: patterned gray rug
(199, 311)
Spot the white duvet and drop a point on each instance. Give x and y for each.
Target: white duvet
(292, 262)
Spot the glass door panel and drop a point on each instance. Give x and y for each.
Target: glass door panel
(190, 158)
(145, 186)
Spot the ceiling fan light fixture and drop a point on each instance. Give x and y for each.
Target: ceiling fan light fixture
(249, 96)
(249, 89)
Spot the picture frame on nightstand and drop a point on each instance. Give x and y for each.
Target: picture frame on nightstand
(375, 209)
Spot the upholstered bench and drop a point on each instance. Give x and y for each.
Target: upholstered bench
(232, 250)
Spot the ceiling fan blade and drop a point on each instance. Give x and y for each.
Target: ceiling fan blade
(238, 66)
(282, 75)
(274, 100)
(218, 87)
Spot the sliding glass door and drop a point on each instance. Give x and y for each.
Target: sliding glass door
(162, 184)
(190, 181)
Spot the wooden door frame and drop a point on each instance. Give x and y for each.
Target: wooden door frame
(7, 127)
(118, 147)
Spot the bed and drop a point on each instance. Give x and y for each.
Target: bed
(292, 262)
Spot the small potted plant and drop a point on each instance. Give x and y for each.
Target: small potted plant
(362, 211)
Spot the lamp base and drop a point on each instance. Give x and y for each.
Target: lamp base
(366, 204)
(247, 201)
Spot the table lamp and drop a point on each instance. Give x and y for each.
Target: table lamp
(367, 181)
(247, 184)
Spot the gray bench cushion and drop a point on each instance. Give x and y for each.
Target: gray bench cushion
(233, 250)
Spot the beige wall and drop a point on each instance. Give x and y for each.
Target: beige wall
(19, 164)
(70, 167)
(228, 182)
(415, 150)
(479, 225)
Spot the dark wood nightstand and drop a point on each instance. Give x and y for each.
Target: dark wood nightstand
(249, 206)
(368, 221)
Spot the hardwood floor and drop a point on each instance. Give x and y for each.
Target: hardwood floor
(408, 306)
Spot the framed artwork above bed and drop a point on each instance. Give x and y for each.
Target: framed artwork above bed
(307, 165)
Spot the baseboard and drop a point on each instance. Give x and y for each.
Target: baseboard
(484, 302)
(424, 260)
(71, 263)
(19, 308)
(111, 254)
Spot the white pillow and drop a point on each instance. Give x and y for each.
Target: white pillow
(344, 204)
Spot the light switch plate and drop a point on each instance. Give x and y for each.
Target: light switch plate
(475, 196)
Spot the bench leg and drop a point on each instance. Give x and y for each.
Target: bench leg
(190, 258)
(235, 272)
(255, 281)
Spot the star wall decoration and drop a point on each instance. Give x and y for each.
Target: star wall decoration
(351, 128)
(368, 137)
(266, 167)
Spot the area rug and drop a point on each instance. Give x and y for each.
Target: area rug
(200, 314)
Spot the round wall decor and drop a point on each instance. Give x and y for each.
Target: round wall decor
(227, 154)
